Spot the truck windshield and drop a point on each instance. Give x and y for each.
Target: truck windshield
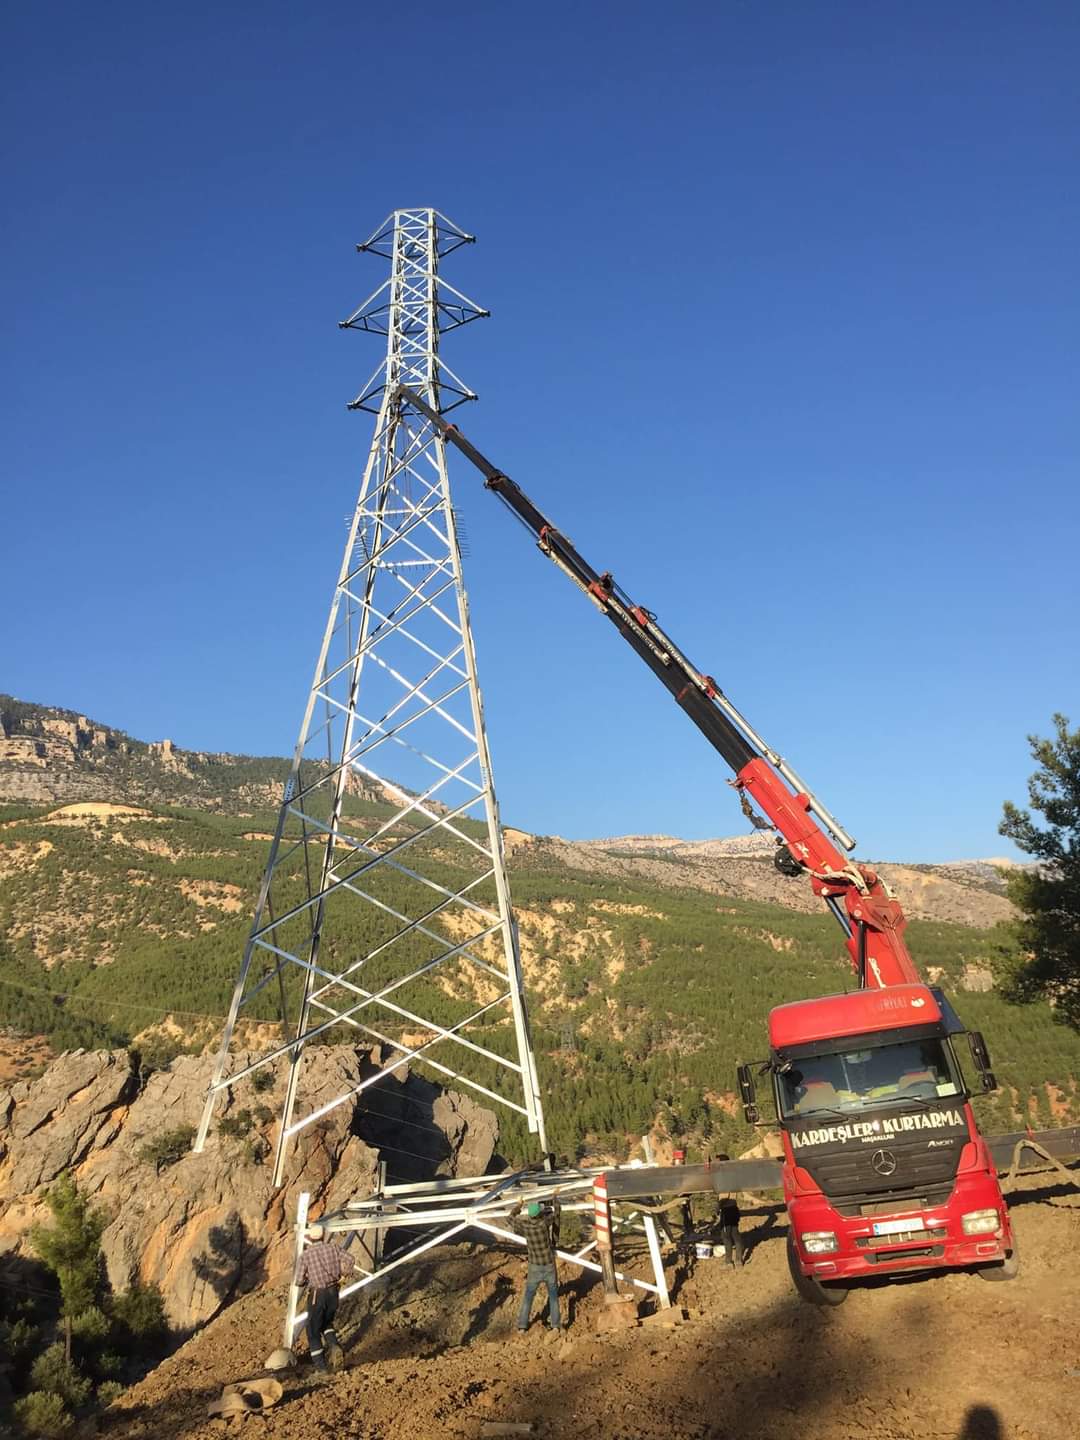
(856, 1079)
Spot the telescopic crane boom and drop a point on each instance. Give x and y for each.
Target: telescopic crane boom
(871, 918)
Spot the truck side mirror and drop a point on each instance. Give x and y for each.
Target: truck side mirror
(979, 1053)
(980, 1056)
(747, 1094)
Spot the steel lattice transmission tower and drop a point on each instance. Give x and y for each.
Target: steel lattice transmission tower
(384, 912)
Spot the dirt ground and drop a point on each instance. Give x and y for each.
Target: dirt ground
(941, 1356)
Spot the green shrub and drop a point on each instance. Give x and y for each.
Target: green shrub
(254, 1150)
(263, 1114)
(262, 1080)
(106, 1365)
(155, 1052)
(109, 1390)
(89, 1325)
(53, 1372)
(139, 1313)
(43, 1413)
(235, 1127)
(19, 1339)
(168, 1148)
(571, 1231)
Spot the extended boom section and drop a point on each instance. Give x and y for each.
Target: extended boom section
(870, 916)
(883, 1169)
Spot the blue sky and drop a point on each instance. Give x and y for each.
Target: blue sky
(784, 332)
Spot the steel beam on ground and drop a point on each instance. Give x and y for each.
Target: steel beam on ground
(1062, 1144)
(722, 1175)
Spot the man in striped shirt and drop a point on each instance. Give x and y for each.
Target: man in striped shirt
(322, 1267)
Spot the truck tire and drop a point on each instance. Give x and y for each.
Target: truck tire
(1003, 1269)
(811, 1290)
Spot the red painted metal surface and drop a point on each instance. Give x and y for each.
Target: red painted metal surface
(857, 887)
(935, 1228)
(858, 1013)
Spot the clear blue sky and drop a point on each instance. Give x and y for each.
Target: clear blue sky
(785, 332)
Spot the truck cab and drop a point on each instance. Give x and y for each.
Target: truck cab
(884, 1168)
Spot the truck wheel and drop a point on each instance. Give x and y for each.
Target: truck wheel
(810, 1289)
(1003, 1269)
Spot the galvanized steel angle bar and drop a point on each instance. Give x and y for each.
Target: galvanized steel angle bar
(417, 804)
(431, 885)
(435, 610)
(400, 537)
(418, 925)
(346, 880)
(400, 628)
(378, 998)
(464, 952)
(431, 706)
(407, 1054)
(346, 1017)
(415, 688)
(459, 897)
(413, 749)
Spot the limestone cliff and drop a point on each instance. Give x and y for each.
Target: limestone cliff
(208, 1227)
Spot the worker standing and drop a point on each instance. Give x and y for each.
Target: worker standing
(322, 1267)
(540, 1229)
(728, 1217)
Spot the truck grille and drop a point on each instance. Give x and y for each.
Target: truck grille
(924, 1252)
(897, 1204)
(903, 1237)
(849, 1171)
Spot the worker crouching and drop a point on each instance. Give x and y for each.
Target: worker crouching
(539, 1227)
(321, 1269)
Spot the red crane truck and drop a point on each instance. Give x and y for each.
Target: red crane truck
(884, 1168)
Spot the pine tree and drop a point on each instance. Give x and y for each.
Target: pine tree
(1048, 894)
(71, 1248)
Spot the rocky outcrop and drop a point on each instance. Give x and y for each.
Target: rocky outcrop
(978, 978)
(208, 1227)
(971, 893)
(51, 755)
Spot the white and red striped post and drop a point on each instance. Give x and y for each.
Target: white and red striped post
(602, 1224)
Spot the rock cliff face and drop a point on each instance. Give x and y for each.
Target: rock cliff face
(208, 1227)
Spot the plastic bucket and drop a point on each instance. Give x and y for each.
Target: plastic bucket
(703, 1250)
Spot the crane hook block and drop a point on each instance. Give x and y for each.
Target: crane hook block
(786, 863)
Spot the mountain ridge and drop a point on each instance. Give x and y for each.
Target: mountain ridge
(50, 755)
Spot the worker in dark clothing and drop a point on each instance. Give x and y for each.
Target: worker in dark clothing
(540, 1229)
(734, 1244)
(727, 1219)
(322, 1267)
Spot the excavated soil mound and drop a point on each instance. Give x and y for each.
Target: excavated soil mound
(947, 1357)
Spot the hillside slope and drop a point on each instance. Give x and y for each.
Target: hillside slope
(935, 1358)
(122, 921)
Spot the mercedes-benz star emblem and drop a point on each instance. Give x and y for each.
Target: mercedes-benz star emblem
(883, 1161)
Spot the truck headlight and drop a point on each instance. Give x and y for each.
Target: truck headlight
(980, 1222)
(819, 1242)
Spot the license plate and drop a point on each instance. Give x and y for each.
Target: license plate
(896, 1227)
